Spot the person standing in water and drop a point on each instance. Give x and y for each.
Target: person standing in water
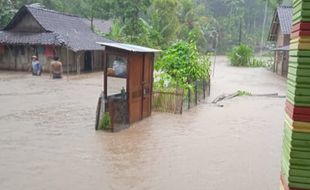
(56, 68)
(36, 67)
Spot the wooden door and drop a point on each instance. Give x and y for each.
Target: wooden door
(285, 63)
(147, 85)
(88, 61)
(140, 86)
(135, 88)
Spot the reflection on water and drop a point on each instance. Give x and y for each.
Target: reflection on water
(48, 139)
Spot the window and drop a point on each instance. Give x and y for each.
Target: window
(117, 66)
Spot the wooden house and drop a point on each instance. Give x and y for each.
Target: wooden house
(280, 34)
(47, 33)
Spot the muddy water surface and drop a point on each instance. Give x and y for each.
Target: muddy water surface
(47, 137)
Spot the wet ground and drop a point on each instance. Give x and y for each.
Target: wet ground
(48, 141)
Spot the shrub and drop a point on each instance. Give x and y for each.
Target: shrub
(243, 93)
(181, 64)
(241, 55)
(105, 121)
(257, 63)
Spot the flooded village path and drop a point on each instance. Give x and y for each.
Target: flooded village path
(48, 141)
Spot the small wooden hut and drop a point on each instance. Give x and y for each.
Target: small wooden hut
(280, 34)
(130, 69)
(46, 33)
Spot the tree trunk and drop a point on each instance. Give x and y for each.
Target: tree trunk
(263, 30)
(92, 23)
(240, 31)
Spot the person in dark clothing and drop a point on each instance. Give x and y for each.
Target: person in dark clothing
(56, 68)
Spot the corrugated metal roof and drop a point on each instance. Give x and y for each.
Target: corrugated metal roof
(129, 47)
(285, 14)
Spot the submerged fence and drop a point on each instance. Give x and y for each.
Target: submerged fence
(167, 102)
(178, 101)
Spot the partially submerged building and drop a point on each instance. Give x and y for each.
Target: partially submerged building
(130, 98)
(47, 33)
(280, 34)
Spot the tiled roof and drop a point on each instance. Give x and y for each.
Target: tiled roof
(285, 14)
(45, 38)
(282, 20)
(69, 30)
(103, 26)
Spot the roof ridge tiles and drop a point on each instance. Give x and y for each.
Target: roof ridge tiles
(285, 6)
(51, 11)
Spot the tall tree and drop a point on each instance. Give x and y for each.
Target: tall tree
(6, 12)
(129, 12)
(92, 9)
(194, 23)
(163, 22)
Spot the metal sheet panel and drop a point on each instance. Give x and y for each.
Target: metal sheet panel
(129, 47)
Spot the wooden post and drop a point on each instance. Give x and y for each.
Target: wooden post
(204, 88)
(152, 80)
(98, 111)
(15, 58)
(67, 45)
(67, 62)
(142, 84)
(209, 86)
(196, 93)
(189, 99)
(176, 99)
(105, 82)
(78, 64)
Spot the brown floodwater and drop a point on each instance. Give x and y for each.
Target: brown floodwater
(48, 141)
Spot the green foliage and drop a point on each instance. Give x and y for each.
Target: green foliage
(258, 63)
(243, 93)
(239, 21)
(160, 23)
(6, 12)
(182, 65)
(163, 80)
(117, 32)
(194, 23)
(241, 55)
(94, 9)
(129, 13)
(105, 121)
(205, 64)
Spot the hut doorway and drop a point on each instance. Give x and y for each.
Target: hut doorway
(146, 85)
(87, 61)
(140, 86)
